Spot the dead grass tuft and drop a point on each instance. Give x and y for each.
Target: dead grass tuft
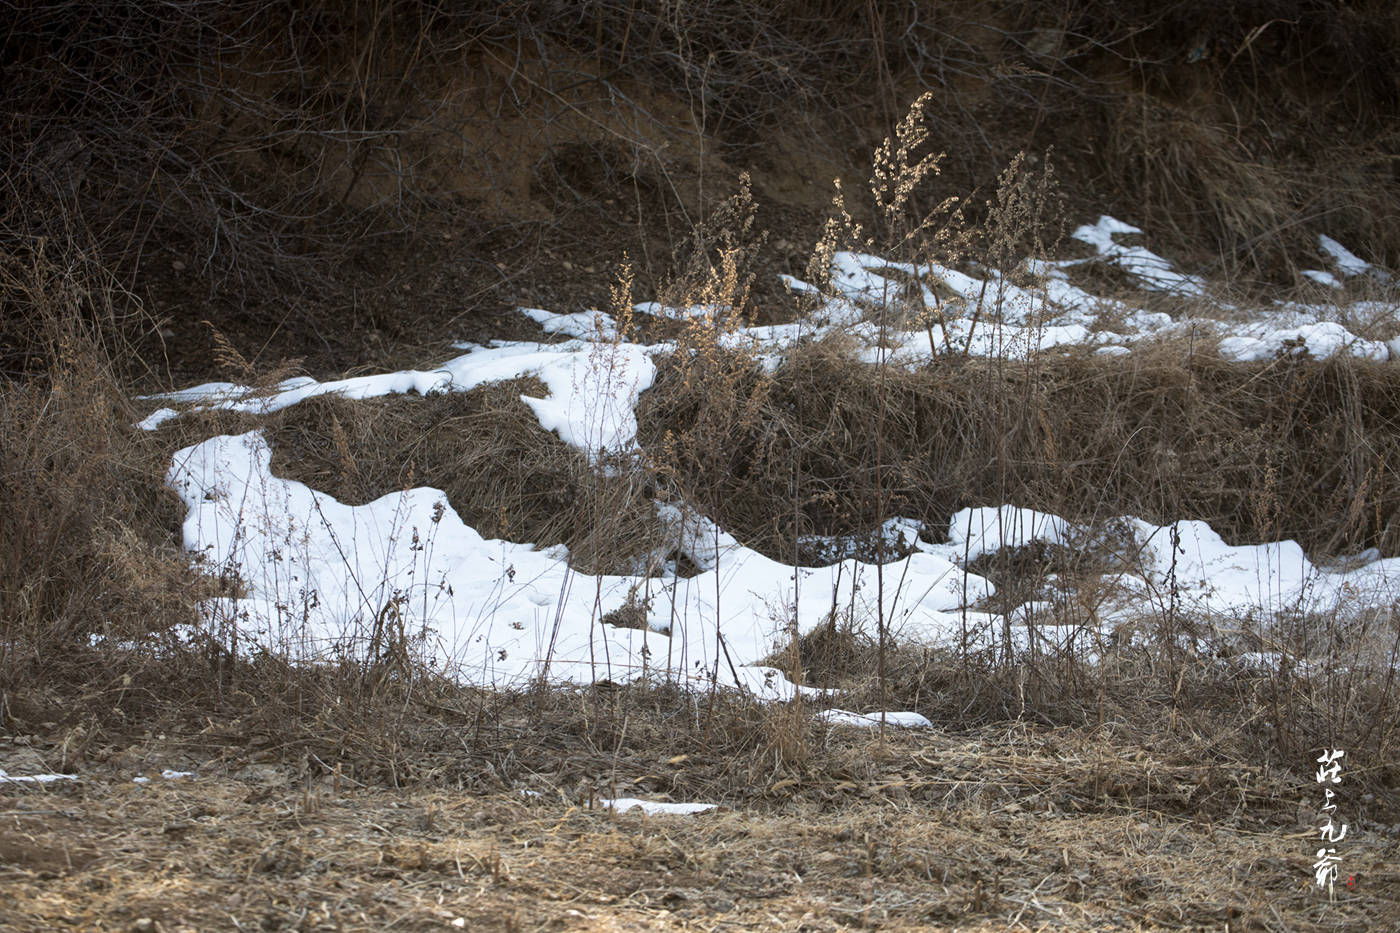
(87, 550)
(503, 474)
(1285, 449)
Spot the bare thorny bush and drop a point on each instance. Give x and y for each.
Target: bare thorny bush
(229, 120)
(251, 132)
(251, 136)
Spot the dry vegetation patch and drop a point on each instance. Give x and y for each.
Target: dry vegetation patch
(503, 474)
(1285, 449)
(974, 829)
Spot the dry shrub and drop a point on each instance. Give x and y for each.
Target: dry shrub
(1243, 129)
(87, 548)
(1198, 184)
(724, 390)
(244, 134)
(260, 139)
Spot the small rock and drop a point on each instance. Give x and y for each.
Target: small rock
(178, 266)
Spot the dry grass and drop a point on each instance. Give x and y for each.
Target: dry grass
(1190, 100)
(1153, 789)
(87, 548)
(975, 829)
(1286, 449)
(1216, 191)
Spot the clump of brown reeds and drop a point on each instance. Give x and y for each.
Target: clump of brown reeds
(88, 550)
(1172, 432)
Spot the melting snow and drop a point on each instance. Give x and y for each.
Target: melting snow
(167, 774)
(7, 778)
(156, 418)
(594, 378)
(1319, 340)
(1347, 262)
(974, 532)
(904, 720)
(593, 387)
(323, 579)
(656, 807)
(1323, 278)
(1147, 267)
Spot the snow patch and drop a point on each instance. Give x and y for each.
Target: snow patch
(979, 531)
(903, 720)
(656, 807)
(1347, 262)
(7, 778)
(156, 418)
(324, 579)
(1151, 270)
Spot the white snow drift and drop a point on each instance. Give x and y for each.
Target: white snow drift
(320, 579)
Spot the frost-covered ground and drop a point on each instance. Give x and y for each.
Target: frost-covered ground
(321, 578)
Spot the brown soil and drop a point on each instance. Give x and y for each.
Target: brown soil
(997, 829)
